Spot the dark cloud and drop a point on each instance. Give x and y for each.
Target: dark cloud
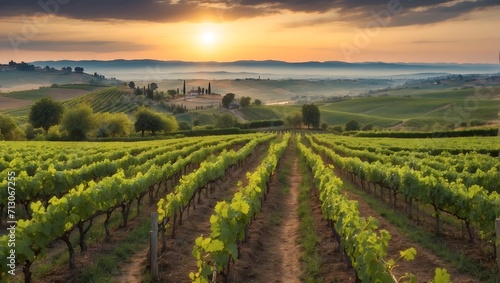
(357, 11)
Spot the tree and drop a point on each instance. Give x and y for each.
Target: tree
(209, 89)
(8, 129)
(245, 101)
(79, 70)
(169, 123)
(147, 120)
(310, 115)
(367, 127)
(113, 124)
(184, 88)
(45, 113)
(294, 119)
(337, 129)
(154, 86)
(225, 121)
(257, 102)
(352, 125)
(324, 126)
(171, 92)
(79, 122)
(67, 70)
(227, 99)
(131, 85)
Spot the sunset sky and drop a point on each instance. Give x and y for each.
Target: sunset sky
(458, 31)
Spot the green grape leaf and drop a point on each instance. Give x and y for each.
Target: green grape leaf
(409, 254)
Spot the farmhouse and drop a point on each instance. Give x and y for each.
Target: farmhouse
(193, 92)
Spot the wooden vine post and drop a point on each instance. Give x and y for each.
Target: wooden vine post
(497, 230)
(153, 246)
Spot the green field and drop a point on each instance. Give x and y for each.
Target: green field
(423, 108)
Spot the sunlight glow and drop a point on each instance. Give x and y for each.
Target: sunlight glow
(208, 37)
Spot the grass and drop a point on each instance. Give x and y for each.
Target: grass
(104, 264)
(427, 239)
(309, 240)
(33, 94)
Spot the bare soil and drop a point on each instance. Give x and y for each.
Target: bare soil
(425, 262)
(177, 262)
(272, 253)
(12, 103)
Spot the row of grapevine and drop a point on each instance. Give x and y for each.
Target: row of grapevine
(78, 208)
(189, 185)
(434, 146)
(472, 204)
(229, 224)
(357, 235)
(365, 246)
(48, 183)
(470, 169)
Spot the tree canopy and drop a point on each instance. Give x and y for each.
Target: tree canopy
(148, 120)
(310, 115)
(9, 129)
(227, 99)
(245, 101)
(46, 113)
(113, 124)
(79, 122)
(294, 119)
(352, 125)
(225, 121)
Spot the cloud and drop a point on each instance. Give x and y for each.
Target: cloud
(95, 46)
(357, 11)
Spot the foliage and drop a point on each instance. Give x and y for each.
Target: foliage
(131, 84)
(227, 99)
(113, 124)
(46, 113)
(352, 125)
(148, 120)
(9, 129)
(367, 127)
(226, 121)
(337, 129)
(294, 119)
(79, 122)
(245, 101)
(53, 134)
(31, 132)
(184, 126)
(310, 115)
(257, 102)
(324, 126)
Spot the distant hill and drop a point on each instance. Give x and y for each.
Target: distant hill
(160, 70)
(25, 80)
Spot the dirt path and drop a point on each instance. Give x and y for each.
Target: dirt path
(425, 262)
(177, 262)
(287, 240)
(272, 253)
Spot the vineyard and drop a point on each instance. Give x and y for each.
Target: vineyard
(241, 208)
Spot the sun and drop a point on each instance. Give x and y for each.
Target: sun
(208, 37)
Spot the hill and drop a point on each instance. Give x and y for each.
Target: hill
(15, 80)
(158, 70)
